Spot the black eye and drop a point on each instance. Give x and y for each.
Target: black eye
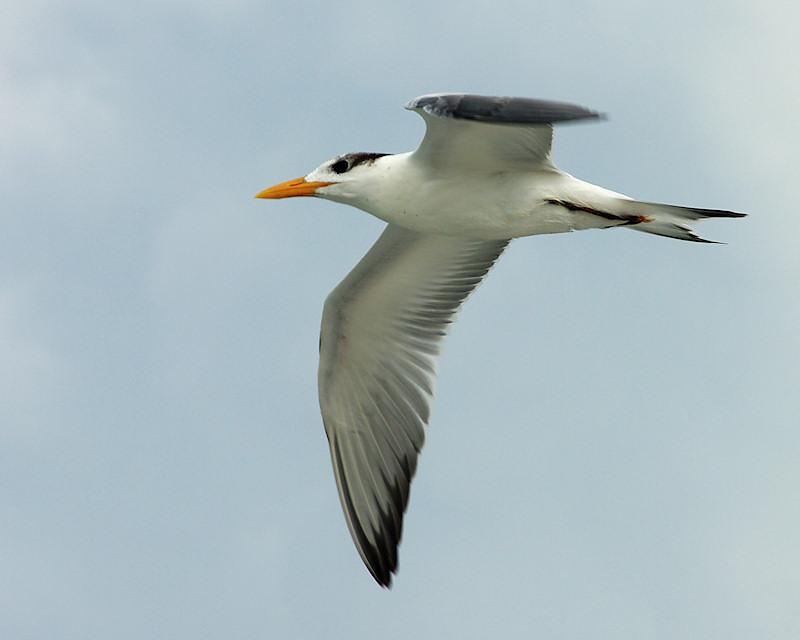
(340, 166)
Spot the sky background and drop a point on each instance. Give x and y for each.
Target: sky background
(614, 450)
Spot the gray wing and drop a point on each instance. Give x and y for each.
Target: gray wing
(468, 131)
(381, 330)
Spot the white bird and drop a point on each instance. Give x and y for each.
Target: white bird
(481, 176)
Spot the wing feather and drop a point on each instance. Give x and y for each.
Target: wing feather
(469, 132)
(381, 331)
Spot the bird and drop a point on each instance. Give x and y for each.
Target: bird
(482, 175)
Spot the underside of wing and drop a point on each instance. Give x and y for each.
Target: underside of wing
(467, 132)
(381, 331)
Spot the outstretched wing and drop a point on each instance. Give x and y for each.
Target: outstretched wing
(473, 132)
(381, 330)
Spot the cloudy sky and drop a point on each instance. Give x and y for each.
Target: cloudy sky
(615, 450)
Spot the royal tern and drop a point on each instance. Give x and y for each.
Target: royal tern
(482, 176)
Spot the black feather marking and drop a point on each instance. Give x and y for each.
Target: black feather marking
(572, 206)
(362, 157)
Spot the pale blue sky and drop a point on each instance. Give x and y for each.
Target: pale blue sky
(614, 451)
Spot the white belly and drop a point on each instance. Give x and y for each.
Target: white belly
(503, 205)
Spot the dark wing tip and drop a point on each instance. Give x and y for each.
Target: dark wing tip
(500, 109)
(380, 555)
(380, 558)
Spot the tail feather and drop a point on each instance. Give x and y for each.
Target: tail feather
(670, 220)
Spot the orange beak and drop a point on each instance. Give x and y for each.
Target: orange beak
(292, 189)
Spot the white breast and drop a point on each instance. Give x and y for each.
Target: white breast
(488, 206)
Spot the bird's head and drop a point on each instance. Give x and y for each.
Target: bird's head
(349, 178)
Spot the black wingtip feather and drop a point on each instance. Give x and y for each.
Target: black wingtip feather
(380, 558)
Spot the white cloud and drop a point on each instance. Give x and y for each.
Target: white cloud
(748, 84)
(51, 89)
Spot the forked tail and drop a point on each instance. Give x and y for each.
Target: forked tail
(666, 219)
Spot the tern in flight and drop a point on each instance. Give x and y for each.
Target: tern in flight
(481, 176)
